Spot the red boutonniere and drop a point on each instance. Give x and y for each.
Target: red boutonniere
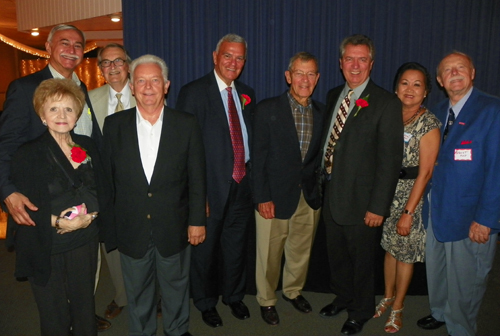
(79, 154)
(360, 103)
(245, 100)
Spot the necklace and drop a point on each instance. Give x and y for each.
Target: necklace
(413, 117)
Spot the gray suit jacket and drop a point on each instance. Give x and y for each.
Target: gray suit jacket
(99, 98)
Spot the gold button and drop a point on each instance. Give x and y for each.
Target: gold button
(150, 195)
(148, 216)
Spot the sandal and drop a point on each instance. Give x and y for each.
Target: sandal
(395, 321)
(383, 305)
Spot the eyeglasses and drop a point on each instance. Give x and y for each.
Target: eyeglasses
(309, 75)
(107, 63)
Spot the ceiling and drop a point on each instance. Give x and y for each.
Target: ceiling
(99, 29)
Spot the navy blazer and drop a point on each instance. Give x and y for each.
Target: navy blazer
(467, 190)
(161, 210)
(278, 172)
(367, 157)
(19, 123)
(202, 98)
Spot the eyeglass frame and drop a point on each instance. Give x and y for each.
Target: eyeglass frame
(119, 60)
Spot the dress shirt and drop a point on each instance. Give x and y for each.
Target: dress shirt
(237, 102)
(355, 96)
(149, 140)
(113, 101)
(303, 117)
(458, 106)
(84, 123)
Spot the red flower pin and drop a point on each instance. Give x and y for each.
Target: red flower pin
(78, 154)
(360, 103)
(245, 100)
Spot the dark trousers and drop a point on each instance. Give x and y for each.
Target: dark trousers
(66, 302)
(172, 274)
(225, 237)
(351, 254)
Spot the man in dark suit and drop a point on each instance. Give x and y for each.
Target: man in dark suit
(363, 145)
(156, 162)
(19, 122)
(285, 159)
(223, 107)
(112, 97)
(464, 211)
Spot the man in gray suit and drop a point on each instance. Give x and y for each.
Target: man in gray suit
(113, 97)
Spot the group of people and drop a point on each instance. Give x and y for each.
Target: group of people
(171, 193)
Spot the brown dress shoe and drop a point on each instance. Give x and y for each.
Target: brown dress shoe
(113, 310)
(102, 323)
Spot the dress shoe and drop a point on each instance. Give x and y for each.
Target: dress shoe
(331, 310)
(352, 327)
(102, 323)
(270, 315)
(212, 318)
(113, 310)
(429, 323)
(300, 303)
(239, 310)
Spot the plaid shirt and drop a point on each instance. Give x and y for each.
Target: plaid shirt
(303, 117)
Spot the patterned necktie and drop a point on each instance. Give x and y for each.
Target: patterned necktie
(338, 126)
(236, 138)
(119, 107)
(451, 120)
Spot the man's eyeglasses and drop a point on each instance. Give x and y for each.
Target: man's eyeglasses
(107, 63)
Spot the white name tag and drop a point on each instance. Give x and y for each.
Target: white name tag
(463, 154)
(407, 137)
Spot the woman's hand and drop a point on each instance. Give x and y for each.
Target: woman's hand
(404, 225)
(81, 221)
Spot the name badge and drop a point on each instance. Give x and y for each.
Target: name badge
(463, 154)
(407, 137)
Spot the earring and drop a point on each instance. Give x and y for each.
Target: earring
(44, 123)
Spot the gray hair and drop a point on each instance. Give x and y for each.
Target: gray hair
(456, 52)
(355, 40)
(232, 38)
(304, 56)
(149, 59)
(113, 45)
(65, 27)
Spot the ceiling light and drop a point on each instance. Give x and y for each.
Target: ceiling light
(115, 18)
(35, 32)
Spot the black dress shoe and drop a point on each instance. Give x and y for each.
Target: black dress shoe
(212, 318)
(352, 327)
(300, 303)
(102, 323)
(239, 310)
(270, 315)
(331, 310)
(429, 323)
(113, 310)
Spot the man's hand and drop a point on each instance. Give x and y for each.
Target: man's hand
(479, 233)
(373, 220)
(266, 210)
(15, 204)
(196, 234)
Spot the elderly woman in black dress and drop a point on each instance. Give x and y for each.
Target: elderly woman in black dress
(403, 236)
(61, 173)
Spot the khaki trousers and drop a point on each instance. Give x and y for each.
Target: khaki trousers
(294, 236)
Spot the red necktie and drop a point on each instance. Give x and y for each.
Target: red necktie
(236, 138)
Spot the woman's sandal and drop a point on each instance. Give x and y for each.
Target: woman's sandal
(383, 305)
(395, 321)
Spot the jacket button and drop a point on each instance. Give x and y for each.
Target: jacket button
(150, 195)
(148, 216)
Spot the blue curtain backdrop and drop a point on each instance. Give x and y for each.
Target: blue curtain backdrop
(185, 32)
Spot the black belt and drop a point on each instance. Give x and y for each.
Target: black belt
(408, 173)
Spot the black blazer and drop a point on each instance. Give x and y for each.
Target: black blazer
(19, 123)
(278, 172)
(175, 198)
(367, 157)
(34, 243)
(202, 98)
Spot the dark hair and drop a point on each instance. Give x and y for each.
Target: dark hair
(357, 39)
(113, 45)
(413, 66)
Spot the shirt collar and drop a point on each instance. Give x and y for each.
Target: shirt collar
(125, 93)
(140, 119)
(458, 106)
(220, 83)
(56, 74)
(357, 91)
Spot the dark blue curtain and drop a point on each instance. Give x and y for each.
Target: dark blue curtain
(185, 33)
